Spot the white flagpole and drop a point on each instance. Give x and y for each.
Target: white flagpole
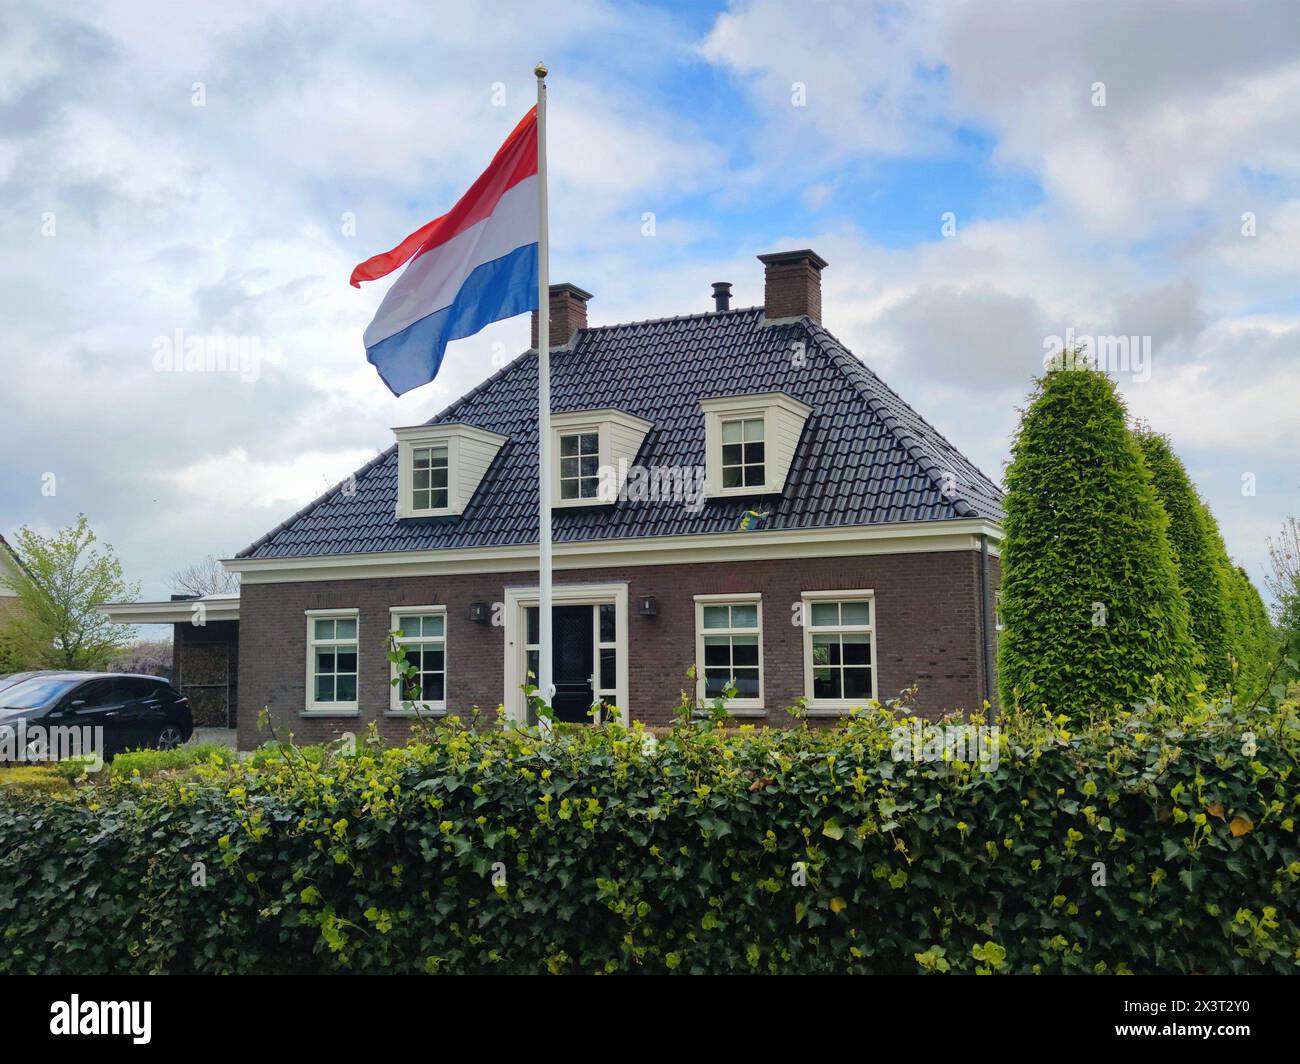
(544, 680)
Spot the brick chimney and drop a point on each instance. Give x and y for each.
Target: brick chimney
(792, 286)
(568, 314)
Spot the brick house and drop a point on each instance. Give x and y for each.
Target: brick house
(734, 491)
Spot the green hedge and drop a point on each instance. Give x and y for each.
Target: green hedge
(686, 857)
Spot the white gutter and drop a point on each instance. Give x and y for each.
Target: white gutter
(776, 544)
(172, 611)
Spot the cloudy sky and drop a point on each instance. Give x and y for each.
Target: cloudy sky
(981, 176)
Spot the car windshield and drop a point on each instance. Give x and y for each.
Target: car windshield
(36, 692)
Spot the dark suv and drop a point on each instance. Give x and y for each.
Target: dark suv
(133, 710)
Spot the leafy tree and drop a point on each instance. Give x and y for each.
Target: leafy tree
(60, 581)
(1093, 613)
(1283, 581)
(206, 577)
(1204, 571)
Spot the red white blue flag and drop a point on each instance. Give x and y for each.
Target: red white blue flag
(475, 265)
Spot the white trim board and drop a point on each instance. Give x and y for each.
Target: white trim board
(519, 598)
(177, 611)
(772, 544)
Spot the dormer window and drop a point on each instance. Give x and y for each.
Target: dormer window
(749, 442)
(429, 478)
(579, 465)
(439, 467)
(592, 451)
(743, 464)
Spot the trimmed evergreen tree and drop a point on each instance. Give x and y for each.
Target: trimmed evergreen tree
(1093, 614)
(1256, 644)
(1203, 565)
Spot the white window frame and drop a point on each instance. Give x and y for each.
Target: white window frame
(435, 707)
(602, 462)
(713, 434)
(837, 706)
(753, 707)
(723, 422)
(435, 445)
(519, 599)
(330, 709)
(408, 442)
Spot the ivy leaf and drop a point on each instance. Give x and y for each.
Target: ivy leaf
(832, 830)
(1240, 826)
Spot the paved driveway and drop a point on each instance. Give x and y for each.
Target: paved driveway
(225, 736)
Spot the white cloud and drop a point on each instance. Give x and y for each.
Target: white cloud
(226, 219)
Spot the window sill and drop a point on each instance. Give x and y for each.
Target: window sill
(836, 709)
(342, 712)
(750, 491)
(733, 711)
(412, 515)
(567, 504)
(412, 714)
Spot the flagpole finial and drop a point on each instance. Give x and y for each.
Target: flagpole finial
(540, 70)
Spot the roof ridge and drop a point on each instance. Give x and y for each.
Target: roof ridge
(902, 433)
(671, 317)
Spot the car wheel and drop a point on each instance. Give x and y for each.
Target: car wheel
(170, 737)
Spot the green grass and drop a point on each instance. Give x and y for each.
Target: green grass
(42, 778)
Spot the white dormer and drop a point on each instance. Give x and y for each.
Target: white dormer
(592, 450)
(439, 467)
(749, 442)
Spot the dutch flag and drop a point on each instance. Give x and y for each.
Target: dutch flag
(475, 265)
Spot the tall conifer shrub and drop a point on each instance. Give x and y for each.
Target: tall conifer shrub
(1204, 571)
(1092, 610)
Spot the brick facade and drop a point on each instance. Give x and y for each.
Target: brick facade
(927, 633)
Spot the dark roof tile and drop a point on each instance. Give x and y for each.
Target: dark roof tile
(865, 457)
